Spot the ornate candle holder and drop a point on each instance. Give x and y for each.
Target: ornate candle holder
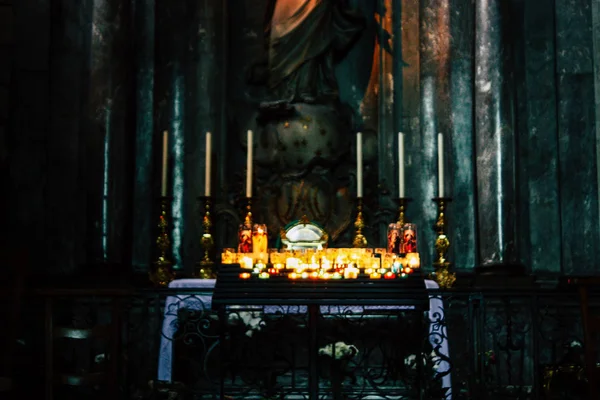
(206, 267)
(162, 269)
(402, 204)
(248, 217)
(443, 276)
(359, 239)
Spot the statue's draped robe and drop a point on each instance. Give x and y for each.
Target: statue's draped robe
(304, 39)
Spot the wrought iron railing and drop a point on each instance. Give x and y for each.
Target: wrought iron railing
(509, 344)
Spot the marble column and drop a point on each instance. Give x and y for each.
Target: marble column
(169, 111)
(494, 138)
(461, 160)
(202, 109)
(143, 219)
(577, 140)
(107, 135)
(65, 196)
(537, 155)
(596, 71)
(398, 66)
(434, 68)
(25, 76)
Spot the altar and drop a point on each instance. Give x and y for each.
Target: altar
(251, 315)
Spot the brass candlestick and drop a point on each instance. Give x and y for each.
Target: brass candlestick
(162, 272)
(206, 267)
(359, 239)
(402, 204)
(443, 276)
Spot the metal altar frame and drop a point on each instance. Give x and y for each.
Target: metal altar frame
(232, 291)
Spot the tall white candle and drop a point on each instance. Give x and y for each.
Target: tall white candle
(165, 163)
(440, 165)
(401, 164)
(359, 165)
(249, 165)
(207, 171)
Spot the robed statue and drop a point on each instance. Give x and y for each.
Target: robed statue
(302, 121)
(304, 39)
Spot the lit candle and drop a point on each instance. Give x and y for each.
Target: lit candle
(351, 273)
(263, 275)
(207, 164)
(259, 240)
(244, 275)
(249, 165)
(359, 165)
(400, 164)
(375, 275)
(414, 262)
(247, 262)
(165, 159)
(389, 275)
(440, 165)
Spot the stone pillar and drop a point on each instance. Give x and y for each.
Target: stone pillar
(397, 67)
(596, 72)
(461, 160)
(577, 140)
(144, 196)
(65, 198)
(203, 81)
(169, 111)
(434, 58)
(107, 136)
(494, 138)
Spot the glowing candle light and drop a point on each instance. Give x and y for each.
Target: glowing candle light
(264, 275)
(292, 263)
(389, 275)
(259, 240)
(375, 275)
(414, 262)
(247, 262)
(244, 275)
(351, 273)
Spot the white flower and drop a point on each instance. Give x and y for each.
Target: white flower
(341, 350)
(251, 320)
(410, 361)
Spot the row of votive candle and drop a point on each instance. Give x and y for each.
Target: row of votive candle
(325, 259)
(327, 264)
(345, 272)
